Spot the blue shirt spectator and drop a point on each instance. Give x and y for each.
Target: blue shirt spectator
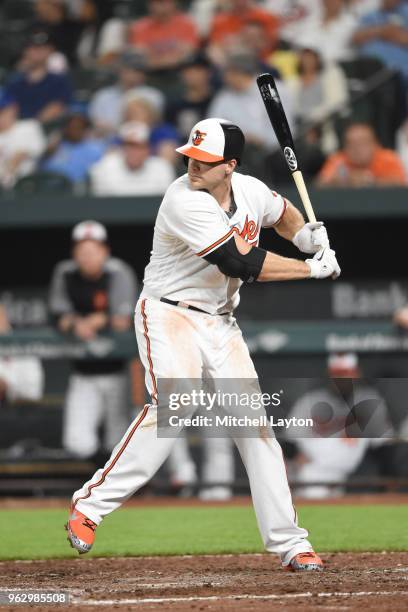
(40, 94)
(162, 133)
(76, 152)
(33, 97)
(384, 34)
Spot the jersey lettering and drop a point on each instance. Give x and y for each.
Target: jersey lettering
(250, 230)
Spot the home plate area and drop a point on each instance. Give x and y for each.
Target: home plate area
(377, 581)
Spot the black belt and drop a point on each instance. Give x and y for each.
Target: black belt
(184, 305)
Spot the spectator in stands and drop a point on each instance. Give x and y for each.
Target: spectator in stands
(21, 378)
(295, 16)
(52, 16)
(130, 170)
(384, 34)
(362, 7)
(238, 101)
(21, 143)
(106, 106)
(362, 162)
(192, 106)
(255, 40)
(229, 25)
(330, 33)
(332, 449)
(77, 150)
(91, 293)
(102, 37)
(166, 35)
(202, 12)
(39, 93)
(318, 90)
(163, 136)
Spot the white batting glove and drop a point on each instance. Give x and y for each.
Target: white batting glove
(324, 264)
(311, 238)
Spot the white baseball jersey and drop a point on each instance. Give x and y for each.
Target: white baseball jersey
(191, 224)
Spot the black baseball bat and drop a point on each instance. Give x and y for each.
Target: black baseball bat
(276, 112)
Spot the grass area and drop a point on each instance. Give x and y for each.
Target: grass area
(39, 534)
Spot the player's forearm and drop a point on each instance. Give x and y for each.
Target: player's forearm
(277, 268)
(291, 222)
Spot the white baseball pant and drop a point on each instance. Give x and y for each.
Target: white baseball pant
(178, 343)
(92, 400)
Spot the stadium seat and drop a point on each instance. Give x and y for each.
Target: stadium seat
(42, 183)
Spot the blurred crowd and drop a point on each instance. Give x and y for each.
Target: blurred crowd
(96, 94)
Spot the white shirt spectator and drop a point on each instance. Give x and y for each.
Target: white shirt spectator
(111, 176)
(111, 41)
(362, 7)
(107, 104)
(331, 39)
(243, 109)
(23, 137)
(203, 11)
(330, 95)
(296, 16)
(112, 37)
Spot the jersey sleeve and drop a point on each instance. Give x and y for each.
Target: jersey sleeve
(275, 206)
(58, 300)
(123, 290)
(200, 224)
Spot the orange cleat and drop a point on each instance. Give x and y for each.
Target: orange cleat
(305, 562)
(81, 531)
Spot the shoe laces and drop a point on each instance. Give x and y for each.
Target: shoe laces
(308, 555)
(88, 523)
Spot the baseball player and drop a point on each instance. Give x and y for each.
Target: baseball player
(327, 454)
(90, 293)
(204, 246)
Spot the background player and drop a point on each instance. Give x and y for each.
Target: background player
(204, 247)
(90, 293)
(328, 453)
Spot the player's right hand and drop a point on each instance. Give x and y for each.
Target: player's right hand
(324, 264)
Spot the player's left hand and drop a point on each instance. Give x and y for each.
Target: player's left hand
(311, 238)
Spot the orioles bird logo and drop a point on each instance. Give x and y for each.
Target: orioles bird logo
(198, 137)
